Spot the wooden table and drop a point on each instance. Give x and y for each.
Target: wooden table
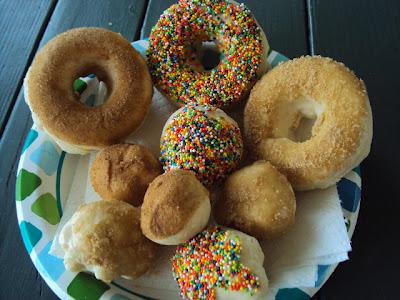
(364, 34)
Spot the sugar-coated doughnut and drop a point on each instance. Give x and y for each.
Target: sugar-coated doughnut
(76, 127)
(221, 264)
(177, 71)
(123, 172)
(104, 237)
(176, 207)
(257, 200)
(311, 118)
(206, 142)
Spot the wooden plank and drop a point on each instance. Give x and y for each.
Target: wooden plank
(365, 35)
(283, 22)
(20, 22)
(124, 16)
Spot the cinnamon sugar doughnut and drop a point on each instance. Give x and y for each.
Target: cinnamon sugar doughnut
(257, 200)
(78, 128)
(123, 172)
(311, 118)
(175, 208)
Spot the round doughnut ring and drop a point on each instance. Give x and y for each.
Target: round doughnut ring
(175, 68)
(311, 118)
(78, 128)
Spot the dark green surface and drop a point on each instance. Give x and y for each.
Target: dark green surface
(18, 277)
(364, 34)
(21, 24)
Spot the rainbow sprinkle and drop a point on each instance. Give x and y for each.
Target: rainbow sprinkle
(173, 64)
(209, 260)
(192, 140)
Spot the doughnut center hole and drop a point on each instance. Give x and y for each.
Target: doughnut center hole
(302, 128)
(298, 120)
(208, 54)
(91, 88)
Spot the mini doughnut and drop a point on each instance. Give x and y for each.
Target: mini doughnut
(123, 172)
(221, 264)
(76, 127)
(204, 141)
(176, 207)
(257, 200)
(182, 28)
(311, 118)
(104, 237)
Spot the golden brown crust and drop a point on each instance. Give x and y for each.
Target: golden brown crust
(79, 52)
(257, 200)
(107, 239)
(341, 136)
(123, 172)
(170, 202)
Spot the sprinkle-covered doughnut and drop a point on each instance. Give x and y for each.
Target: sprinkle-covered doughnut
(220, 264)
(177, 72)
(206, 142)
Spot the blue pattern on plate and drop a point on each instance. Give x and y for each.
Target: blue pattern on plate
(31, 137)
(291, 294)
(349, 194)
(54, 265)
(321, 274)
(46, 157)
(31, 235)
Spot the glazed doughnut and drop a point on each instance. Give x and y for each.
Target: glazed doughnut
(123, 172)
(104, 237)
(178, 73)
(206, 142)
(311, 118)
(176, 207)
(221, 264)
(75, 127)
(257, 200)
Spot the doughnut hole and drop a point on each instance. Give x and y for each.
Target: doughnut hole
(257, 200)
(298, 120)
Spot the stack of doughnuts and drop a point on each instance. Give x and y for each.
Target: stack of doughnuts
(307, 122)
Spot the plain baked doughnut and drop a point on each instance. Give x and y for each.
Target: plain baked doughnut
(123, 172)
(257, 200)
(175, 208)
(311, 118)
(76, 127)
(104, 237)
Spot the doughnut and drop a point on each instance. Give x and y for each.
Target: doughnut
(176, 207)
(74, 126)
(123, 172)
(104, 237)
(181, 30)
(221, 264)
(257, 200)
(207, 142)
(311, 118)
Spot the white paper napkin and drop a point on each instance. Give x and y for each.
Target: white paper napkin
(318, 237)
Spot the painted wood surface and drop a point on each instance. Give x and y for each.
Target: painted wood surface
(364, 34)
(18, 277)
(18, 46)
